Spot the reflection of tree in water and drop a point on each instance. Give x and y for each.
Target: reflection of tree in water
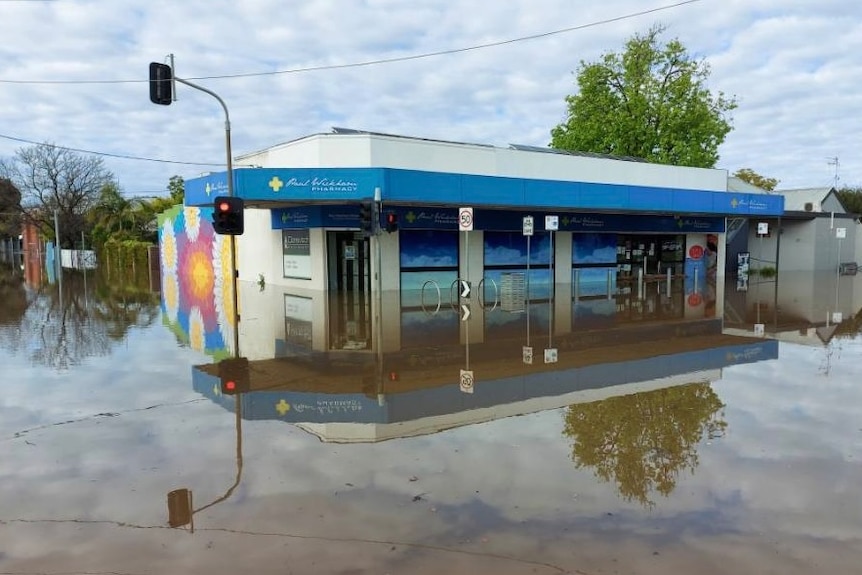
(643, 441)
(59, 328)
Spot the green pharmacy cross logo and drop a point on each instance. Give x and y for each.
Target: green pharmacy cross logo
(410, 217)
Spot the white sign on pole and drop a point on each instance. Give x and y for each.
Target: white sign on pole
(528, 225)
(465, 312)
(467, 381)
(465, 219)
(527, 354)
(552, 223)
(762, 228)
(837, 317)
(551, 355)
(759, 329)
(840, 233)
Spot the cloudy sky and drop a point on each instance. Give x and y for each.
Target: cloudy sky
(73, 72)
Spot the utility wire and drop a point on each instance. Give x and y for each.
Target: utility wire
(110, 155)
(381, 60)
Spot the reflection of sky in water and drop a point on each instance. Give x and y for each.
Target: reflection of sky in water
(427, 288)
(106, 440)
(420, 328)
(595, 281)
(776, 478)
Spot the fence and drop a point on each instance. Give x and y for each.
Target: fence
(78, 259)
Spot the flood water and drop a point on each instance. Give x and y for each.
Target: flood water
(650, 447)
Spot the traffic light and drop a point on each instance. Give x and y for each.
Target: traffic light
(161, 84)
(391, 222)
(234, 376)
(228, 216)
(367, 214)
(179, 507)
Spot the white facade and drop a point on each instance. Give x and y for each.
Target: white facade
(355, 150)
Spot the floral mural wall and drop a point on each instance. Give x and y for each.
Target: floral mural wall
(197, 292)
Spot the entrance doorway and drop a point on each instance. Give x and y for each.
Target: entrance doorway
(349, 290)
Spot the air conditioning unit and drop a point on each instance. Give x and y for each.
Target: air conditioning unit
(809, 207)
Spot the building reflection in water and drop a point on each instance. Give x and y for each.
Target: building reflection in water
(636, 394)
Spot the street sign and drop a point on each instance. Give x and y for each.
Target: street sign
(759, 329)
(837, 317)
(464, 289)
(465, 219)
(527, 354)
(552, 223)
(840, 233)
(467, 381)
(551, 355)
(762, 228)
(465, 312)
(528, 225)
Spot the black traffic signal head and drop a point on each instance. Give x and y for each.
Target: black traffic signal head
(161, 84)
(367, 215)
(228, 215)
(234, 376)
(391, 222)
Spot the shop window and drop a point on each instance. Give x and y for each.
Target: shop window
(429, 261)
(508, 253)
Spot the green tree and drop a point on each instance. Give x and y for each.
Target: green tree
(111, 216)
(10, 209)
(650, 102)
(643, 441)
(851, 199)
(755, 179)
(53, 179)
(176, 189)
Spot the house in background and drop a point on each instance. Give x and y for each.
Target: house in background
(815, 233)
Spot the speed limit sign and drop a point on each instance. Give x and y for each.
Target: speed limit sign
(465, 219)
(467, 381)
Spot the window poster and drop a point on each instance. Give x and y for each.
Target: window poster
(429, 262)
(296, 249)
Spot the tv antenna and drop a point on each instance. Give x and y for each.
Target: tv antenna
(834, 162)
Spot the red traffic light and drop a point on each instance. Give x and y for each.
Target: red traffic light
(391, 222)
(234, 375)
(228, 212)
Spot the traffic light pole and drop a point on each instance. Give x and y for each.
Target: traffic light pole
(230, 192)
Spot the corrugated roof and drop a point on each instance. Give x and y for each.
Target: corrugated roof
(526, 148)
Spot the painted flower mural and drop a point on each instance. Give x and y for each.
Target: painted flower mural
(197, 292)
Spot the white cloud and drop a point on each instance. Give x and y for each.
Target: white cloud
(792, 65)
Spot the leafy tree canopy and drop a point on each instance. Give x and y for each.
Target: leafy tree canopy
(176, 189)
(755, 179)
(851, 198)
(643, 441)
(650, 102)
(10, 209)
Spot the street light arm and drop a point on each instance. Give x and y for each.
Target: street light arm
(226, 129)
(230, 192)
